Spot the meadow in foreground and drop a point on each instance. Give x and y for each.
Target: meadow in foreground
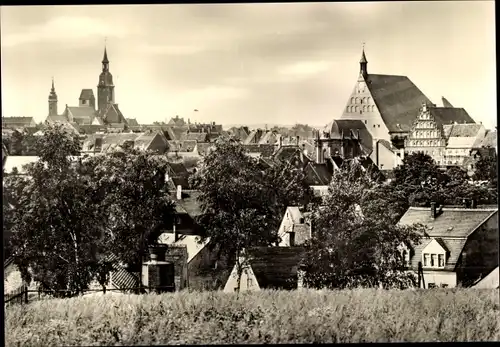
(364, 315)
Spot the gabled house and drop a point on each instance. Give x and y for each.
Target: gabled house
(18, 122)
(152, 141)
(268, 268)
(295, 228)
(460, 245)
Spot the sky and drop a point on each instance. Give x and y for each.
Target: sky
(246, 63)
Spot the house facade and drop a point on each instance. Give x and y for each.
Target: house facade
(448, 144)
(459, 247)
(295, 228)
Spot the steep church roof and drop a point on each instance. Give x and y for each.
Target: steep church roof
(397, 99)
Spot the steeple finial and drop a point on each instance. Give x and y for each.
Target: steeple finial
(363, 64)
(105, 58)
(363, 56)
(52, 89)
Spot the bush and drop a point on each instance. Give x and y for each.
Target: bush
(364, 315)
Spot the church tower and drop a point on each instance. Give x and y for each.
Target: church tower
(105, 88)
(52, 100)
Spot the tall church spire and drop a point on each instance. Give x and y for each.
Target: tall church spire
(105, 61)
(363, 64)
(53, 100)
(105, 88)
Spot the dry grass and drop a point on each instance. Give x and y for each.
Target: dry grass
(261, 317)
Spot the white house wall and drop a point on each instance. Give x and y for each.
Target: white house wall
(440, 277)
(248, 281)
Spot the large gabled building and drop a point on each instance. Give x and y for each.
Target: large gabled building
(389, 104)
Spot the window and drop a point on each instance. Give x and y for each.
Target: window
(379, 125)
(356, 108)
(431, 285)
(301, 220)
(434, 260)
(426, 259)
(366, 121)
(249, 282)
(441, 260)
(347, 109)
(444, 285)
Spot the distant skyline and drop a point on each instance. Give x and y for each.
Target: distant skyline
(246, 63)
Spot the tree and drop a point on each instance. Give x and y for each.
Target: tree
(419, 180)
(133, 188)
(16, 143)
(56, 230)
(242, 203)
(486, 169)
(352, 247)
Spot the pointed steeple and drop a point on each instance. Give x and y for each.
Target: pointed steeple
(52, 100)
(53, 95)
(363, 64)
(105, 58)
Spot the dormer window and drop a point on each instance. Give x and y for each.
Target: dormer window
(434, 254)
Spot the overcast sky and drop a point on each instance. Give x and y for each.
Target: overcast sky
(246, 63)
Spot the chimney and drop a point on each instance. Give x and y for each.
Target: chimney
(179, 192)
(298, 140)
(433, 210)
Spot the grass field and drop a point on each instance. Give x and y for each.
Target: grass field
(362, 315)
